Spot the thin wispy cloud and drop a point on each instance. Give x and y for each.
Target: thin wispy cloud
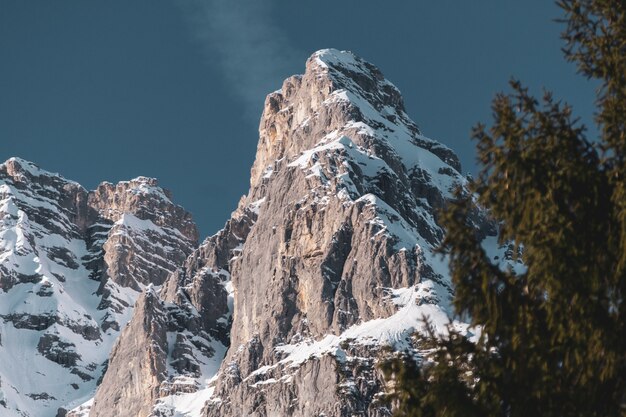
(240, 37)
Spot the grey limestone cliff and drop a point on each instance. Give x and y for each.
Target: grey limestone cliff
(350, 190)
(141, 345)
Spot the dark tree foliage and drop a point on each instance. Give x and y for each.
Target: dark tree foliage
(553, 339)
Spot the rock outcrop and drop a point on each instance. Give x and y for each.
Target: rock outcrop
(141, 345)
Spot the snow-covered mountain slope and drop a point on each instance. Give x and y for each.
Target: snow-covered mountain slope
(72, 264)
(330, 257)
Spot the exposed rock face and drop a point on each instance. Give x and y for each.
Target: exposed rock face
(344, 237)
(72, 264)
(141, 345)
(147, 238)
(196, 305)
(129, 206)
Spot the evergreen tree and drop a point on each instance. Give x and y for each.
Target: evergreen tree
(553, 340)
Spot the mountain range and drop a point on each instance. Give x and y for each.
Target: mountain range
(110, 306)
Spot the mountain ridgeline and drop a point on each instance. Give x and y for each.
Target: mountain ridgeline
(327, 261)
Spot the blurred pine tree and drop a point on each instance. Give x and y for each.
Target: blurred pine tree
(553, 340)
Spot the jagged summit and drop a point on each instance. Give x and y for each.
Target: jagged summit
(341, 94)
(366, 88)
(341, 259)
(351, 71)
(16, 166)
(22, 168)
(27, 166)
(144, 185)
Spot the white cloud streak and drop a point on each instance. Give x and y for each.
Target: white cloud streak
(239, 36)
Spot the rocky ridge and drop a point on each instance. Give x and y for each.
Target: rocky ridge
(72, 264)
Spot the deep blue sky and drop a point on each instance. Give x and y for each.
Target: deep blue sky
(110, 90)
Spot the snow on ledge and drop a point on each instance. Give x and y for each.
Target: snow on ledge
(394, 331)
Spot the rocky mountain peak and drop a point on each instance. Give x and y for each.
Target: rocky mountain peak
(350, 72)
(143, 197)
(341, 258)
(144, 186)
(338, 95)
(72, 264)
